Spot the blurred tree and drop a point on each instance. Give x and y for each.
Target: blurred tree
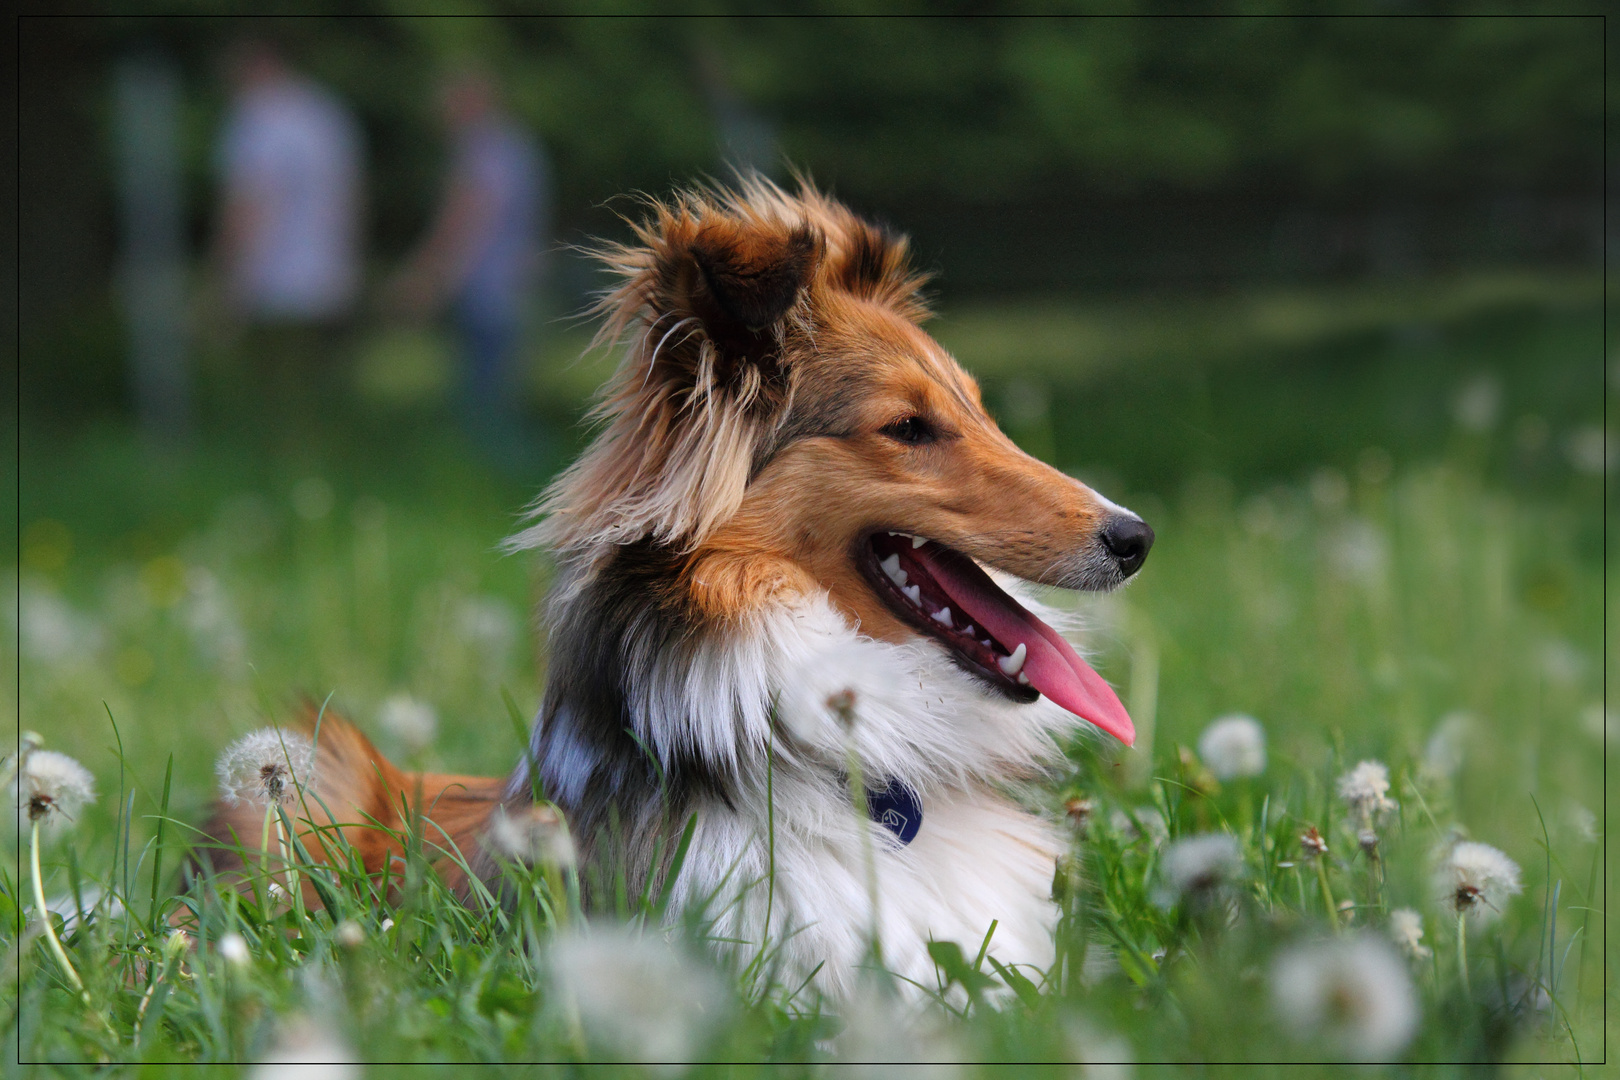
(1024, 152)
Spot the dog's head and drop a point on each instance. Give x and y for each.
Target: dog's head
(784, 423)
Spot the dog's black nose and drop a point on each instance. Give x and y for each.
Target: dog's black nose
(1127, 540)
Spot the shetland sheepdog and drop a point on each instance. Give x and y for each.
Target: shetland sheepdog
(789, 569)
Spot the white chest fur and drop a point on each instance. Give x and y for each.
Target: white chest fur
(805, 854)
(977, 859)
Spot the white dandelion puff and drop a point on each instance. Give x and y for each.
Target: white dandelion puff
(1448, 746)
(1365, 791)
(1476, 880)
(266, 766)
(1197, 867)
(412, 722)
(881, 1031)
(1151, 821)
(1406, 930)
(234, 948)
(27, 743)
(638, 995)
(52, 790)
(1234, 746)
(534, 834)
(1353, 992)
(307, 1049)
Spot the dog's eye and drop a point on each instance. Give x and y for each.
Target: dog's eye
(911, 430)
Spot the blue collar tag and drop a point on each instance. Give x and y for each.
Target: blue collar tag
(896, 808)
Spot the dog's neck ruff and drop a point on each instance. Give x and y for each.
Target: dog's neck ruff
(897, 808)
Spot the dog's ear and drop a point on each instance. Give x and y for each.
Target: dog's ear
(716, 291)
(738, 278)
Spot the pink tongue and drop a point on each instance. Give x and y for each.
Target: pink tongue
(1052, 666)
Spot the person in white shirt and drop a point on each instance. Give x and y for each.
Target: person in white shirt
(288, 246)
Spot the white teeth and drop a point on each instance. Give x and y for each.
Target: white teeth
(1013, 664)
(917, 542)
(914, 594)
(986, 643)
(943, 616)
(891, 567)
(1023, 680)
(969, 630)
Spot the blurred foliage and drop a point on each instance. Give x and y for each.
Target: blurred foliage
(974, 109)
(1027, 157)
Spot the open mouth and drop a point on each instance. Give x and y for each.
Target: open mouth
(945, 595)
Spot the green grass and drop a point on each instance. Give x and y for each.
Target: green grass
(1337, 556)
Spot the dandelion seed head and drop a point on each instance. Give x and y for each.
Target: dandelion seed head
(534, 834)
(1448, 746)
(52, 789)
(1312, 844)
(266, 766)
(638, 995)
(412, 722)
(1353, 992)
(1196, 867)
(234, 948)
(307, 1049)
(1152, 822)
(1233, 747)
(1365, 791)
(881, 1031)
(1406, 930)
(1476, 880)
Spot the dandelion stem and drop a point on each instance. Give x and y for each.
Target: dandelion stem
(1327, 893)
(1462, 951)
(45, 918)
(264, 840)
(295, 893)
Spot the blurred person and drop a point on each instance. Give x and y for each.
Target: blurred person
(481, 256)
(287, 250)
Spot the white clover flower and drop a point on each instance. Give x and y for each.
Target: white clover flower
(534, 834)
(1476, 880)
(1234, 746)
(1365, 791)
(638, 995)
(266, 766)
(412, 722)
(234, 948)
(51, 789)
(1196, 867)
(1406, 930)
(1354, 992)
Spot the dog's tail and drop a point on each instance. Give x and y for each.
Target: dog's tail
(360, 807)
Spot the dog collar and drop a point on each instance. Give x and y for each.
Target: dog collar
(896, 808)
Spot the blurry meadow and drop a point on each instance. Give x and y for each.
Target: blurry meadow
(1380, 507)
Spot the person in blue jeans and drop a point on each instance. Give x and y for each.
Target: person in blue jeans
(481, 257)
